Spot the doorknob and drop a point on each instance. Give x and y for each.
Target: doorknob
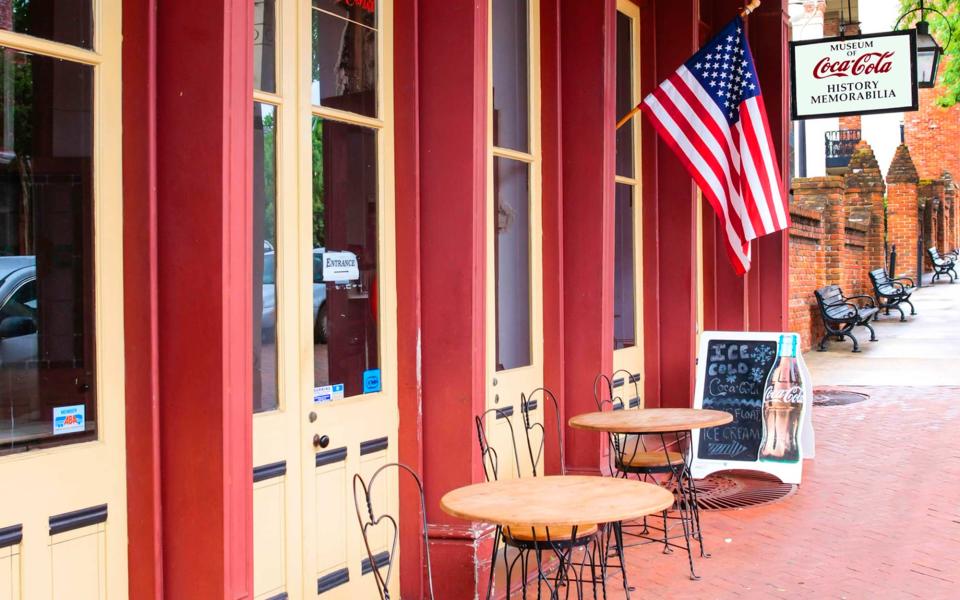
(320, 441)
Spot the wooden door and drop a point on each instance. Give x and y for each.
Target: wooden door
(514, 230)
(326, 303)
(63, 531)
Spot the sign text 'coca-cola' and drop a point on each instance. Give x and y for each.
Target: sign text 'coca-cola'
(865, 74)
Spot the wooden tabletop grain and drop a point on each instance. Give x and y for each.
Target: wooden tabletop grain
(651, 420)
(559, 500)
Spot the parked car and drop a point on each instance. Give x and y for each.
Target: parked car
(18, 337)
(269, 320)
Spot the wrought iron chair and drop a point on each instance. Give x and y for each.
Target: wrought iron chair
(369, 519)
(633, 455)
(535, 540)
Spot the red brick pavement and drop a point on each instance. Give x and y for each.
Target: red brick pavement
(877, 516)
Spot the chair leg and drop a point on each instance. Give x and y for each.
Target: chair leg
(873, 334)
(822, 346)
(856, 344)
(903, 317)
(913, 311)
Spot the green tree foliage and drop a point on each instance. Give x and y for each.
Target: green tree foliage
(940, 28)
(318, 205)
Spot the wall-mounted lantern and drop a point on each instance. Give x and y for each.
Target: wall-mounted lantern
(928, 50)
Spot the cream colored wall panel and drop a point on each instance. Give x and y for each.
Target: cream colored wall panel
(331, 510)
(269, 529)
(78, 562)
(9, 573)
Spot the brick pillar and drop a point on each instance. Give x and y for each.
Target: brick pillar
(930, 193)
(903, 223)
(834, 229)
(864, 197)
(950, 209)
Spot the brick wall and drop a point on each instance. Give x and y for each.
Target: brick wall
(930, 194)
(932, 133)
(903, 223)
(806, 272)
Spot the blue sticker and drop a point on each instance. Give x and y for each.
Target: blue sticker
(69, 419)
(371, 381)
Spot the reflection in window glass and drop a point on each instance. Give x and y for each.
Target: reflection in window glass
(265, 45)
(47, 379)
(511, 185)
(346, 321)
(624, 322)
(345, 56)
(264, 245)
(510, 89)
(625, 100)
(64, 21)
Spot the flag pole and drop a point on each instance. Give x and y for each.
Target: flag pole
(746, 10)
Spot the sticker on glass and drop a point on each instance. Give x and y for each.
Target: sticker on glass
(371, 381)
(340, 266)
(68, 419)
(327, 393)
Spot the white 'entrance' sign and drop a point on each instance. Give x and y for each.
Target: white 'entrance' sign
(340, 266)
(855, 75)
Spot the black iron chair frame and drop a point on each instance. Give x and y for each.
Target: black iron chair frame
(891, 293)
(842, 326)
(679, 480)
(368, 519)
(566, 572)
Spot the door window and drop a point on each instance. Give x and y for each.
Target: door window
(265, 395)
(47, 379)
(626, 192)
(512, 162)
(345, 229)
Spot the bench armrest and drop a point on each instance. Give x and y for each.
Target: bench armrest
(870, 300)
(902, 279)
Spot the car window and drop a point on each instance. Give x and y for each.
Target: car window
(269, 268)
(317, 267)
(23, 302)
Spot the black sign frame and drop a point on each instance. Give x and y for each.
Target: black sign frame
(915, 100)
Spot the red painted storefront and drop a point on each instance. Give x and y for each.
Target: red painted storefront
(187, 180)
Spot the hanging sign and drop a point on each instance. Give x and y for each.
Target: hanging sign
(759, 378)
(340, 266)
(854, 75)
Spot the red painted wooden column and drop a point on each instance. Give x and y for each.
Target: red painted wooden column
(145, 559)
(554, 333)
(406, 148)
(204, 159)
(453, 102)
(769, 31)
(587, 86)
(649, 79)
(676, 40)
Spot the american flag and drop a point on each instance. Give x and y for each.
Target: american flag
(711, 113)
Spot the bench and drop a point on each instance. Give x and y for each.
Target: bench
(942, 265)
(891, 293)
(841, 316)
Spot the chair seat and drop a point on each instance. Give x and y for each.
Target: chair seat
(637, 457)
(559, 533)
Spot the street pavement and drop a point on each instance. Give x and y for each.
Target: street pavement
(878, 513)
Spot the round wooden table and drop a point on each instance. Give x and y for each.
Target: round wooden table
(663, 422)
(558, 500)
(651, 420)
(561, 502)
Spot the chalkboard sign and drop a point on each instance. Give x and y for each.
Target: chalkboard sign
(732, 370)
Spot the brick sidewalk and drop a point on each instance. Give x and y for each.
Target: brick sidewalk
(877, 516)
